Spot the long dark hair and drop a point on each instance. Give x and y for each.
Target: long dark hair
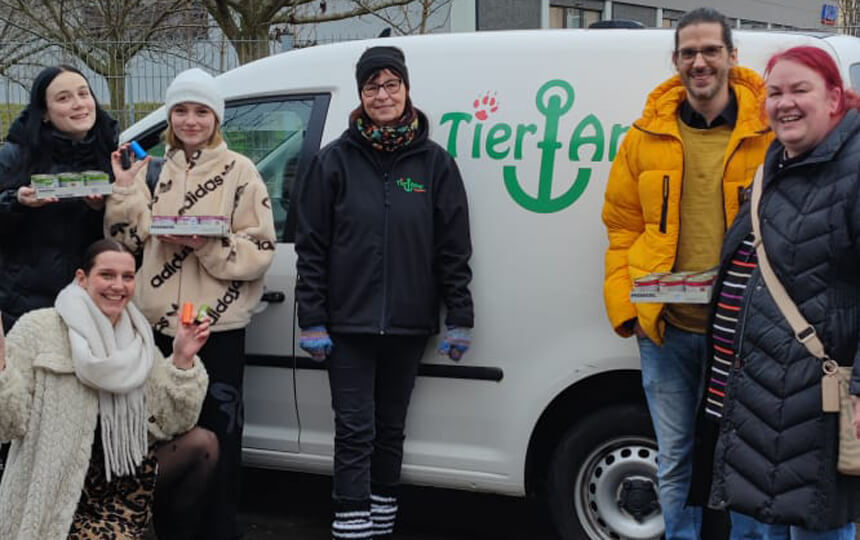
(34, 135)
(97, 248)
(704, 15)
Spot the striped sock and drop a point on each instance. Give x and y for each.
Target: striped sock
(352, 524)
(383, 513)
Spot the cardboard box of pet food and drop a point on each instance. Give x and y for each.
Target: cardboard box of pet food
(71, 184)
(190, 225)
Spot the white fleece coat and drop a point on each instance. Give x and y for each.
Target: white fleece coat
(225, 273)
(51, 417)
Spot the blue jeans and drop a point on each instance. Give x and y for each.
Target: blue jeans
(673, 379)
(746, 528)
(786, 532)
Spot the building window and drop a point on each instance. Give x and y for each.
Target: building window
(644, 14)
(752, 25)
(671, 18)
(572, 17)
(186, 23)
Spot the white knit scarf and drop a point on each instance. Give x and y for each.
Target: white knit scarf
(115, 360)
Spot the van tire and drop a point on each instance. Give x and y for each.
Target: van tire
(602, 473)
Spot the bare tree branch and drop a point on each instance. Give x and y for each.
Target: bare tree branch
(401, 18)
(103, 35)
(249, 25)
(362, 8)
(848, 16)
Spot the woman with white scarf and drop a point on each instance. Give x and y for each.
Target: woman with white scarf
(83, 395)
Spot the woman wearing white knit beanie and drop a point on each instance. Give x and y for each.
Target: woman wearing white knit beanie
(201, 177)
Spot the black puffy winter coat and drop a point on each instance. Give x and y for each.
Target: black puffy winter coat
(382, 238)
(775, 458)
(40, 248)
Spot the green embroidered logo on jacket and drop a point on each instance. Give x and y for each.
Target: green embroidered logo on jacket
(410, 186)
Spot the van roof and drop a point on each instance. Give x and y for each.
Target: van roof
(498, 42)
(331, 68)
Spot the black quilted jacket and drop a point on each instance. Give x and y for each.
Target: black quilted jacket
(40, 248)
(776, 454)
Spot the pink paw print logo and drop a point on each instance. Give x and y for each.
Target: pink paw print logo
(486, 105)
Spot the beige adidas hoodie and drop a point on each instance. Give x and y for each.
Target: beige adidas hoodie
(226, 273)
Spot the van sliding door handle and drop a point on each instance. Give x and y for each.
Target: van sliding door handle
(274, 297)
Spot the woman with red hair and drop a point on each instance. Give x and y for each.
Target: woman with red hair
(776, 452)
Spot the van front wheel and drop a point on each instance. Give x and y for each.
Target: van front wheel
(602, 478)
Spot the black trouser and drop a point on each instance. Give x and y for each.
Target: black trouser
(371, 379)
(224, 414)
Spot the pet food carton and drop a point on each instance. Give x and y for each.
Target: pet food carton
(68, 185)
(699, 286)
(190, 225)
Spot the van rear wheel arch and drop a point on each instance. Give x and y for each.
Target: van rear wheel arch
(570, 407)
(601, 418)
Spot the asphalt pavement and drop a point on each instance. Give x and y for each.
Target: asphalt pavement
(292, 506)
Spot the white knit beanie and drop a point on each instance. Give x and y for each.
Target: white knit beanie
(196, 86)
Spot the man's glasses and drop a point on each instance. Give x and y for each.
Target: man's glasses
(710, 52)
(391, 87)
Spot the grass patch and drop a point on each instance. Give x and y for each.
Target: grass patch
(10, 111)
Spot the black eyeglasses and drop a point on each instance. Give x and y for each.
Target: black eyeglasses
(391, 86)
(709, 52)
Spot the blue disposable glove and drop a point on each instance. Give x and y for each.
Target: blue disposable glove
(456, 342)
(316, 341)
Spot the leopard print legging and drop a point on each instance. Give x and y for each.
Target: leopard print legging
(117, 510)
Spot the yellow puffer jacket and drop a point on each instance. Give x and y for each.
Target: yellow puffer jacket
(643, 195)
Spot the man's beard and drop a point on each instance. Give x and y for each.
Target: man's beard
(707, 92)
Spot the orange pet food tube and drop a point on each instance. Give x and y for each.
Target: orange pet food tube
(187, 313)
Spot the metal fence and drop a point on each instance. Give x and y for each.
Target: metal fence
(850, 30)
(137, 83)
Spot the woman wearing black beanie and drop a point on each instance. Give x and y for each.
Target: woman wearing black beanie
(382, 239)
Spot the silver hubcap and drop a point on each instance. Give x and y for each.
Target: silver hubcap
(599, 488)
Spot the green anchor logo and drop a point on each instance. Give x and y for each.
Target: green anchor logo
(544, 203)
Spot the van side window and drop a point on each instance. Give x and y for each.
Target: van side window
(272, 134)
(279, 134)
(855, 77)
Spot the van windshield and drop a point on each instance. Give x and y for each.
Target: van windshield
(855, 77)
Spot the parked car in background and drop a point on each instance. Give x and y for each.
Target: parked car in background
(548, 402)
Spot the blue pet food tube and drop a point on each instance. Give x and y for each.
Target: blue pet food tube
(138, 150)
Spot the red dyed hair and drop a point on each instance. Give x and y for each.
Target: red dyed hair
(822, 63)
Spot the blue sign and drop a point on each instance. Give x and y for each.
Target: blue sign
(829, 14)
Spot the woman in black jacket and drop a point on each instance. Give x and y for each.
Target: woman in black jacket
(776, 453)
(382, 237)
(63, 129)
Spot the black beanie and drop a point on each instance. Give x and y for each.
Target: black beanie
(378, 58)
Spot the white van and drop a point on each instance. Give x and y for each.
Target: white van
(548, 401)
